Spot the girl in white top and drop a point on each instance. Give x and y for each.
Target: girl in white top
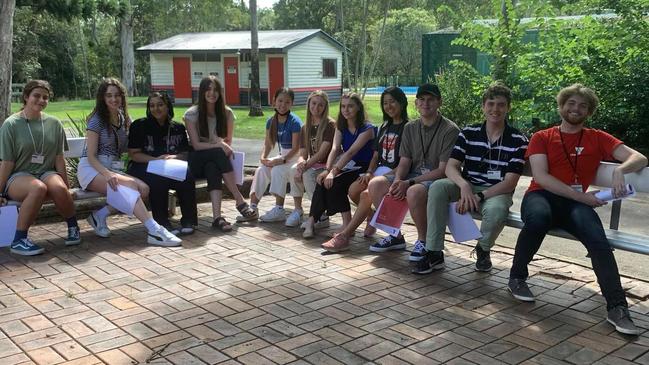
(100, 167)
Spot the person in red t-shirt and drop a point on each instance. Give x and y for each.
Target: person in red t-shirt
(564, 162)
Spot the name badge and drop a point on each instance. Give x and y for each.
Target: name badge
(494, 175)
(117, 165)
(577, 187)
(38, 159)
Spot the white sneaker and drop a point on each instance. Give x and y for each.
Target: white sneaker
(277, 214)
(309, 231)
(322, 223)
(162, 237)
(294, 219)
(98, 225)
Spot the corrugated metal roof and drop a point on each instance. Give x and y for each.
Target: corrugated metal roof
(235, 40)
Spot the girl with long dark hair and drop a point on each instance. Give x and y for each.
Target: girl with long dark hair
(101, 168)
(158, 137)
(210, 125)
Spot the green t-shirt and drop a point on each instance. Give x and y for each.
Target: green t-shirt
(16, 142)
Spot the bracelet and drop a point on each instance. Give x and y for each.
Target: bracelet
(4, 195)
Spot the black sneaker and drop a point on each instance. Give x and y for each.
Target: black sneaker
(432, 260)
(389, 243)
(620, 318)
(483, 261)
(520, 290)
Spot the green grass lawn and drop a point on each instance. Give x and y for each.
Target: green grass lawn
(245, 126)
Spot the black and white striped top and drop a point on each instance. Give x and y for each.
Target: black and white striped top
(479, 156)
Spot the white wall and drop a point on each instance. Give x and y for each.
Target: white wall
(204, 68)
(162, 70)
(305, 64)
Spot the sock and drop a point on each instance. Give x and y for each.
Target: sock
(279, 206)
(151, 225)
(72, 221)
(20, 235)
(253, 206)
(102, 213)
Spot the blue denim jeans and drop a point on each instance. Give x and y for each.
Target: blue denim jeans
(541, 211)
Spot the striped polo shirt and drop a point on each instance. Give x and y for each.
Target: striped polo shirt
(506, 155)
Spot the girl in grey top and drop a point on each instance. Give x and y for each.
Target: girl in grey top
(100, 167)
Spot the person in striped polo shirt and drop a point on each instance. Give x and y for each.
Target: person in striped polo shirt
(482, 173)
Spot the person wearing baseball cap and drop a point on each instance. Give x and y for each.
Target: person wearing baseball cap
(426, 145)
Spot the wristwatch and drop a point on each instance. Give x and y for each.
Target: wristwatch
(411, 182)
(481, 196)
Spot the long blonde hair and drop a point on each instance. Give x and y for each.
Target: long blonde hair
(325, 120)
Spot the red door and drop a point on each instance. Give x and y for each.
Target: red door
(231, 78)
(182, 80)
(275, 76)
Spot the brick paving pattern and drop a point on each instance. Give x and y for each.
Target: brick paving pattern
(262, 295)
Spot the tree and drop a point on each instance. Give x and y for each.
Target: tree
(255, 92)
(7, 9)
(126, 45)
(400, 48)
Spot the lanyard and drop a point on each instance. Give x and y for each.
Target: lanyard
(421, 139)
(279, 135)
(31, 135)
(565, 151)
(499, 143)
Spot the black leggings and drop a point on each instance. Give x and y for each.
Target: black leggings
(210, 164)
(334, 200)
(159, 187)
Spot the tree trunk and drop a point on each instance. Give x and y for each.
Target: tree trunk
(128, 54)
(255, 93)
(7, 8)
(377, 51)
(346, 65)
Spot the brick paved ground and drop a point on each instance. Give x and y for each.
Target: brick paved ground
(261, 295)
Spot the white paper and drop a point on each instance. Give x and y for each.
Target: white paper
(382, 170)
(8, 221)
(123, 199)
(172, 168)
(462, 226)
(238, 158)
(607, 195)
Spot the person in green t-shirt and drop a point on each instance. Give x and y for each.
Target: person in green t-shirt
(33, 168)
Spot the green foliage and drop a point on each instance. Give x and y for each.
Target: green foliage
(610, 55)
(401, 44)
(462, 88)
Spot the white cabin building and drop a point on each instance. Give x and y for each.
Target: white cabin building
(303, 60)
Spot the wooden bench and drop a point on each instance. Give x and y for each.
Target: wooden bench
(75, 149)
(618, 239)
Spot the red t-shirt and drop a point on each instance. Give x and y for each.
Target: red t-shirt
(595, 146)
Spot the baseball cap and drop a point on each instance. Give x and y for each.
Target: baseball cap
(430, 89)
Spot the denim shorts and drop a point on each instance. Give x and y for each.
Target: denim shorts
(40, 177)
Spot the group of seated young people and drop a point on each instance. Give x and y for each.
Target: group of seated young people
(429, 162)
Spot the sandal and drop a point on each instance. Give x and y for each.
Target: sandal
(247, 214)
(222, 224)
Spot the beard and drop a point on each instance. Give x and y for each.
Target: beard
(574, 120)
